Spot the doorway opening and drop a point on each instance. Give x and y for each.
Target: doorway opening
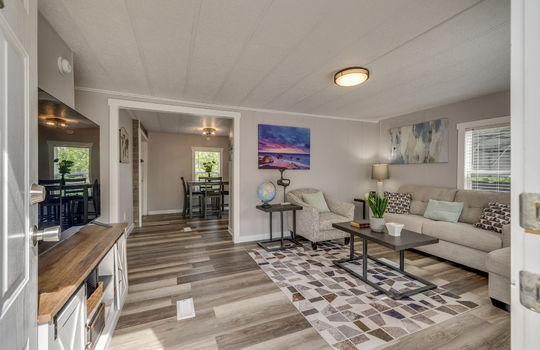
(183, 163)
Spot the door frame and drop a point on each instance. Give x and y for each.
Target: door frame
(114, 108)
(525, 107)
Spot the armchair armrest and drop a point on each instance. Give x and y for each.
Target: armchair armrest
(339, 207)
(506, 235)
(307, 219)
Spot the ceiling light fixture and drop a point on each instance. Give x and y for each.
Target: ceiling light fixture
(351, 76)
(209, 131)
(56, 122)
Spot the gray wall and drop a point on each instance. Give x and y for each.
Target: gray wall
(441, 174)
(169, 158)
(50, 47)
(125, 173)
(341, 155)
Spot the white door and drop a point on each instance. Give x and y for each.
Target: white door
(18, 170)
(525, 91)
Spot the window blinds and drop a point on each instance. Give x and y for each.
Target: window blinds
(487, 159)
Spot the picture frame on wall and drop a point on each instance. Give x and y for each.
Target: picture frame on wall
(284, 147)
(124, 145)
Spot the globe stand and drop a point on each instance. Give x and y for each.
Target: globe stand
(266, 205)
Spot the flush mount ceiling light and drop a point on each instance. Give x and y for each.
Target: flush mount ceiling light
(56, 122)
(351, 76)
(209, 131)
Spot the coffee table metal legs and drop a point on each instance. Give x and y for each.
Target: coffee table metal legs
(282, 239)
(364, 277)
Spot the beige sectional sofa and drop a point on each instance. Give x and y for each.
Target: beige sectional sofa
(460, 242)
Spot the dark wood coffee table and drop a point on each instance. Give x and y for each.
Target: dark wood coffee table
(406, 240)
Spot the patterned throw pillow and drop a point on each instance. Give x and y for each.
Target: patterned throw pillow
(494, 217)
(398, 203)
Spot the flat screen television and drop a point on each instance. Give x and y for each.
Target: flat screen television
(68, 166)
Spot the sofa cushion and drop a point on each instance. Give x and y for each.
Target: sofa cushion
(422, 194)
(411, 222)
(443, 211)
(475, 201)
(398, 203)
(494, 217)
(498, 261)
(463, 234)
(327, 219)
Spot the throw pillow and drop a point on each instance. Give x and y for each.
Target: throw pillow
(317, 200)
(443, 211)
(494, 217)
(398, 203)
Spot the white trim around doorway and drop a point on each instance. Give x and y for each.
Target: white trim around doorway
(114, 108)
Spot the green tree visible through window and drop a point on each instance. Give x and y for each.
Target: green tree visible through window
(203, 157)
(80, 157)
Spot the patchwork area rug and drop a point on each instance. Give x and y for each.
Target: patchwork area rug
(348, 313)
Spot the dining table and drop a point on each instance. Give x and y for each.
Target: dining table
(194, 184)
(84, 187)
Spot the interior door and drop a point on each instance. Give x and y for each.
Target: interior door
(525, 88)
(18, 170)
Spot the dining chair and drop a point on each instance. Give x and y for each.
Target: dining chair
(95, 199)
(73, 196)
(212, 190)
(224, 193)
(187, 199)
(49, 209)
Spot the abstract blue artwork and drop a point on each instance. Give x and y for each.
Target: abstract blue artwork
(425, 142)
(284, 147)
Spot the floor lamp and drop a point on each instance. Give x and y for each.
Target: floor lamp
(379, 172)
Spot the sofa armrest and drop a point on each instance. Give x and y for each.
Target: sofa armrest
(339, 207)
(307, 219)
(506, 235)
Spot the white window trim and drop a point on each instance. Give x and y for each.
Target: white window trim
(462, 127)
(52, 144)
(206, 149)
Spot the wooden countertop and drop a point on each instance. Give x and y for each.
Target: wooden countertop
(64, 267)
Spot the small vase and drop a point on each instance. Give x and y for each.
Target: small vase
(376, 224)
(62, 181)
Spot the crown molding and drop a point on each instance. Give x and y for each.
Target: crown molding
(210, 105)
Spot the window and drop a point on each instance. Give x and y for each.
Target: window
(485, 155)
(202, 155)
(80, 154)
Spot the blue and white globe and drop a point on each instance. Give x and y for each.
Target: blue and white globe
(266, 192)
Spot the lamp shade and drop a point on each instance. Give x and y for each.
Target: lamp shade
(379, 171)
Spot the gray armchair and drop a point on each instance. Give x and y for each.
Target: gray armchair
(316, 226)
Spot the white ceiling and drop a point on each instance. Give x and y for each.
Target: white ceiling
(180, 123)
(282, 54)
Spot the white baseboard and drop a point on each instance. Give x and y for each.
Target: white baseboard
(166, 211)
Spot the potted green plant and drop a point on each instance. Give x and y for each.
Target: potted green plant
(64, 167)
(377, 204)
(208, 167)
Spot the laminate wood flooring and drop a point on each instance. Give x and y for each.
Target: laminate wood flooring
(238, 307)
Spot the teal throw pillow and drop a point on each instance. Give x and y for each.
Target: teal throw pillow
(443, 211)
(317, 200)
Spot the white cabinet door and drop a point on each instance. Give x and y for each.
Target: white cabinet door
(18, 170)
(71, 324)
(121, 276)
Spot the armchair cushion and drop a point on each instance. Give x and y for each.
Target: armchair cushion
(317, 200)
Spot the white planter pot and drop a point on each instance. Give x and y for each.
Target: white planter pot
(376, 224)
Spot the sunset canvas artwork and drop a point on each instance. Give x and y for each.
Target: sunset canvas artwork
(284, 147)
